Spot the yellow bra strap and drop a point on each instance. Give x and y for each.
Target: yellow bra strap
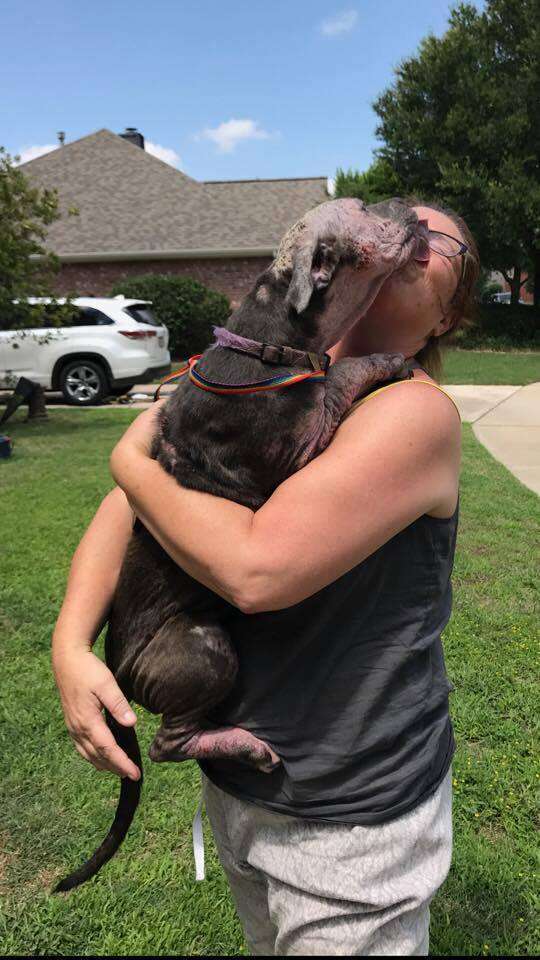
(387, 386)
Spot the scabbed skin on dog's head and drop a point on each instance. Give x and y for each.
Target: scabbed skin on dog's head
(333, 262)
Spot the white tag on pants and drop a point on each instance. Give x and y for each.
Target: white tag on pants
(198, 842)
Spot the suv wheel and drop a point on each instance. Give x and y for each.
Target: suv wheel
(83, 383)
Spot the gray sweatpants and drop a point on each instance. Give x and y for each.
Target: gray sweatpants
(309, 888)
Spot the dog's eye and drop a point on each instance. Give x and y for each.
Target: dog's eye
(325, 254)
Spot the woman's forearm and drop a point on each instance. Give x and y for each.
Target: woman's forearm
(205, 548)
(94, 575)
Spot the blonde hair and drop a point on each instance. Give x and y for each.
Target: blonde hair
(463, 303)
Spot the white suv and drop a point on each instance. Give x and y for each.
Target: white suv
(113, 343)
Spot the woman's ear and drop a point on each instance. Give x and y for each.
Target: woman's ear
(444, 325)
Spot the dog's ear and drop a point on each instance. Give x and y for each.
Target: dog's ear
(301, 285)
(313, 268)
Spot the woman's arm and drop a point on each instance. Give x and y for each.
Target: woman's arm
(94, 574)
(84, 682)
(394, 459)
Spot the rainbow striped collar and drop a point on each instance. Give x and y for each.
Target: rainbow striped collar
(254, 386)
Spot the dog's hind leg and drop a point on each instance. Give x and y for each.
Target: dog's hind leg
(186, 669)
(185, 742)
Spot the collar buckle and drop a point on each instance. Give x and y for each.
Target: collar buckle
(272, 354)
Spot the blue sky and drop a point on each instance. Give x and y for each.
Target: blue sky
(225, 89)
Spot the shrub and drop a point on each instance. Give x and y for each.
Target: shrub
(187, 308)
(502, 325)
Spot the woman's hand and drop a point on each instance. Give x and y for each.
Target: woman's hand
(86, 685)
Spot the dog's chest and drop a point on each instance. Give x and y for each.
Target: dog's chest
(241, 447)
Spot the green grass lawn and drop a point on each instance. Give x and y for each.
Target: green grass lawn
(55, 807)
(488, 366)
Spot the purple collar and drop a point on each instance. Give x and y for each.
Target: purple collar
(283, 356)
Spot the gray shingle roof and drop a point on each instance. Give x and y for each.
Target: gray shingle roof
(258, 212)
(131, 202)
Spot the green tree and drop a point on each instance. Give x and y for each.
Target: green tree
(186, 307)
(377, 183)
(27, 268)
(460, 124)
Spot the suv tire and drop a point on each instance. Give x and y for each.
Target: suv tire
(83, 382)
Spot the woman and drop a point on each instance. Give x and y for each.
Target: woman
(342, 584)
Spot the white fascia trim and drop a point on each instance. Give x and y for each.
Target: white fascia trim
(207, 253)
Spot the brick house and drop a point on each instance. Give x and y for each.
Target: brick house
(137, 215)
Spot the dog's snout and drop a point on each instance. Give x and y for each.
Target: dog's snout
(422, 242)
(410, 221)
(394, 217)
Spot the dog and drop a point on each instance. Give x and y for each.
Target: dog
(167, 642)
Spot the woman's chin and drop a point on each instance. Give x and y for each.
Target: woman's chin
(361, 342)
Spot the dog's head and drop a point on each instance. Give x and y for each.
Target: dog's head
(336, 258)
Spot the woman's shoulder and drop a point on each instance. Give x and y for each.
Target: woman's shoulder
(421, 389)
(420, 394)
(419, 414)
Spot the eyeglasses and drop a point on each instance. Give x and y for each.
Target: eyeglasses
(445, 245)
(439, 242)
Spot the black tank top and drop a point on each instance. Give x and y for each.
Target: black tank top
(349, 687)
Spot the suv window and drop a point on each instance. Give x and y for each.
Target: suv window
(142, 313)
(90, 317)
(52, 316)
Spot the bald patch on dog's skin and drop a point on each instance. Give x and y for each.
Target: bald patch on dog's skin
(263, 295)
(286, 250)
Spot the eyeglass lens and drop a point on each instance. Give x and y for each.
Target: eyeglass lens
(438, 242)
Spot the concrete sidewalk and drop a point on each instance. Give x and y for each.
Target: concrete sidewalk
(507, 421)
(510, 430)
(475, 402)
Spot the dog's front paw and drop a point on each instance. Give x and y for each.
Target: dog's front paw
(352, 377)
(384, 366)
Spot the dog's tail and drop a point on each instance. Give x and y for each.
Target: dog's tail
(128, 802)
